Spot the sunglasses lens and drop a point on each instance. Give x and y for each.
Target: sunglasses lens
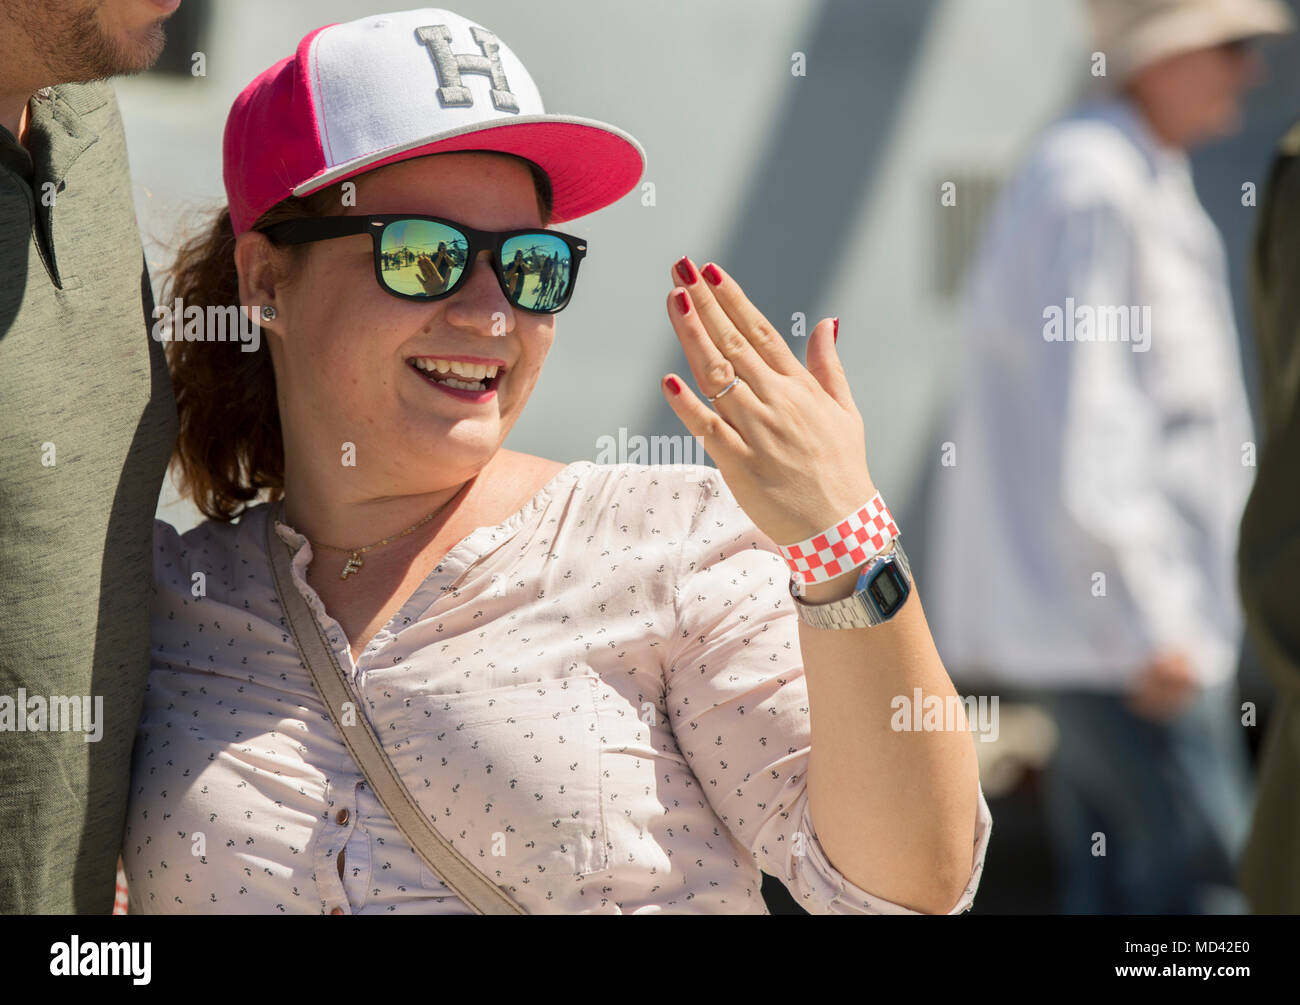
(539, 271)
(421, 258)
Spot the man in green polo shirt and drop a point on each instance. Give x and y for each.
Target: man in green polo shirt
(87, 422)
(1269, 553)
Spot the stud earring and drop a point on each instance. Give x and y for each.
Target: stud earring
(268, 313)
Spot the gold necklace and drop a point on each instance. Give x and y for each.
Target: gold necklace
(354, 562)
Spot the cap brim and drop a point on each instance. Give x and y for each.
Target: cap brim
(590, 164)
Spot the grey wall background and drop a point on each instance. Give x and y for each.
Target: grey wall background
(819, 193)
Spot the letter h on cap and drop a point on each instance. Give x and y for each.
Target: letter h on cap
(449, 66)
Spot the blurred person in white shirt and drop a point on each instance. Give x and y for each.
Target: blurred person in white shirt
(1085, 532)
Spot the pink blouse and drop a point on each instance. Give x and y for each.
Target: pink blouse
(600, 702)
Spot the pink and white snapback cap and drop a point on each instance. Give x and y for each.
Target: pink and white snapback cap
(385, 88)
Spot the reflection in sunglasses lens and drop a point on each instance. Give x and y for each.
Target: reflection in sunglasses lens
(538, 269)
(421, 258)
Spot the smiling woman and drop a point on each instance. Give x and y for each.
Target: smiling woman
(572, 687)
(230, 448)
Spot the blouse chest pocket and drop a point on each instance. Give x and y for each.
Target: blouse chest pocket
(511, 777)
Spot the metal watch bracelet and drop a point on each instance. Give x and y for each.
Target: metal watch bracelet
(858, 610)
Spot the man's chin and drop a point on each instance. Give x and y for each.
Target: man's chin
(1228, 124)
(102, 54)
(1224, 125)
(143, 50)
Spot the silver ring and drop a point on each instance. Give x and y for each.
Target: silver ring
(726, 389)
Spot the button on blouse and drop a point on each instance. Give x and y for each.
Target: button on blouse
(600, 702)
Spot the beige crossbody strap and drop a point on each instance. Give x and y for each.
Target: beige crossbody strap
(468, 883)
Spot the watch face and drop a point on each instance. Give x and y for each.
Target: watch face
(888, 589)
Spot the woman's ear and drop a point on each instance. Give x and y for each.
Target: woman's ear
(256, 260)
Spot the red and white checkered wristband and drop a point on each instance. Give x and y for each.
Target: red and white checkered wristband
(850, 543)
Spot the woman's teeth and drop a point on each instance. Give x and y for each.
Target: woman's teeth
(453, 373)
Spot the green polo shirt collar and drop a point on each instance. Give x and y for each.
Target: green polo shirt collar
(57, 136)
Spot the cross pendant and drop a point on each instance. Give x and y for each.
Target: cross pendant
(353, 565)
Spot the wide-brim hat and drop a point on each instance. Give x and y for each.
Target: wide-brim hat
(1133, 34)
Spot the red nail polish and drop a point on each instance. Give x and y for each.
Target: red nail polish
(836, 333)
(686, 270)
(712, 274)
(683, 301)
(673, 386)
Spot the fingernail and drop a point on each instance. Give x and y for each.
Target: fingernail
(712, 274)
(836, 333)
(673, 386)
(683, 301)
(686, 270)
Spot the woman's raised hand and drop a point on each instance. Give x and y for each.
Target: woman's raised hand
(788, 439)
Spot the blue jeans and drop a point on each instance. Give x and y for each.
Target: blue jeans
(1172, 800)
